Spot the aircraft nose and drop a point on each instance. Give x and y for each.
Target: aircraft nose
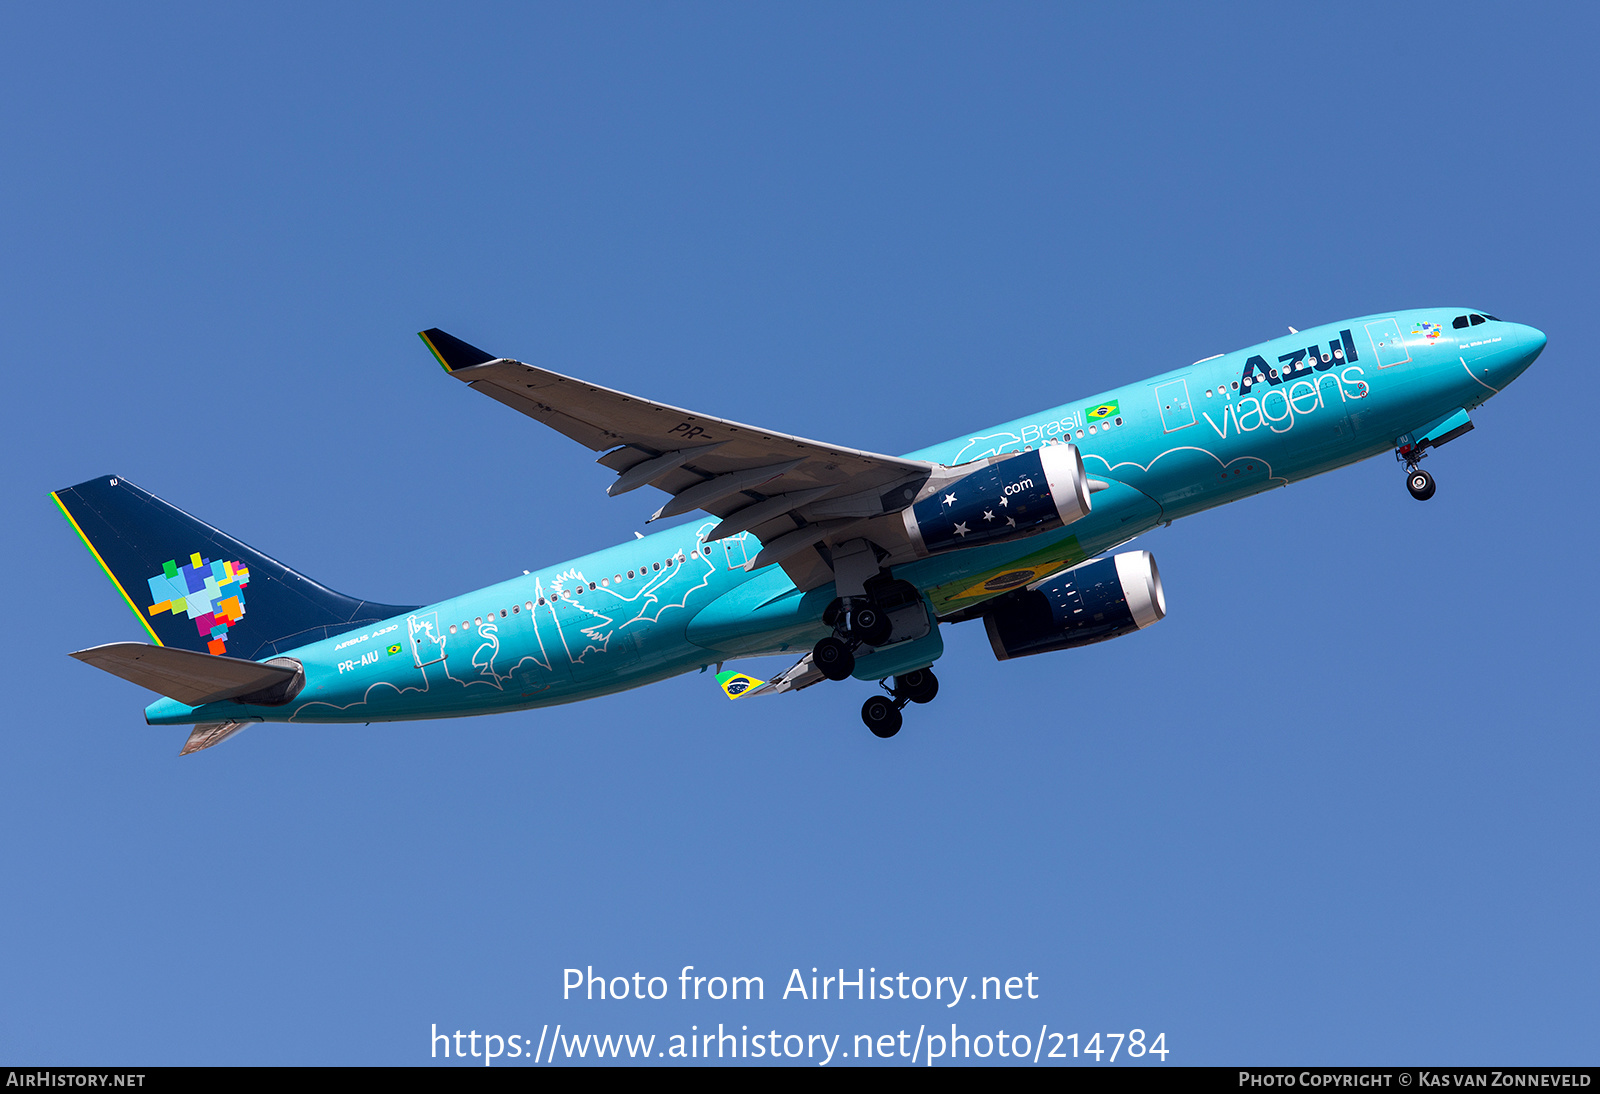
(1522, 345)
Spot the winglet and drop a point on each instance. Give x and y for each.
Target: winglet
(452, 352)
(736, 684)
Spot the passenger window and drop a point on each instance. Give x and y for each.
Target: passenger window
(1477, 319)
(1460, 322)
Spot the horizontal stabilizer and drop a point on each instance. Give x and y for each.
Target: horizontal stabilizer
(189, 677)
(212, 733)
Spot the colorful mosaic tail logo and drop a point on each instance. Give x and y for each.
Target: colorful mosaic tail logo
(210, 593)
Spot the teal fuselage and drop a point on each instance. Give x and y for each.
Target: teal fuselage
(1188, 440)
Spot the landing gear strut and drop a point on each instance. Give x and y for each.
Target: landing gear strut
(881, 713)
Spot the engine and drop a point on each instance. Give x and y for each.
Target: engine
(1015, 496)
(1103, 599)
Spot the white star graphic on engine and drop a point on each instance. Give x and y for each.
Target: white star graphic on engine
(988, 514)
(949, 499)
(1010, 523)
(961, 529)
(1005, 501)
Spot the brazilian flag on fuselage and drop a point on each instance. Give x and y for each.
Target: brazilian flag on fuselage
(1104, 410)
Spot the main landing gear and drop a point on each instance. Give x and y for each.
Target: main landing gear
(856, 622)
(872, 610)
(881, 713)
(862, 623)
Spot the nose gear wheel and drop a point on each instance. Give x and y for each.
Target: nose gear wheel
(1421, 484)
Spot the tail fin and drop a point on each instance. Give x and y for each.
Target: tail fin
(196, 588)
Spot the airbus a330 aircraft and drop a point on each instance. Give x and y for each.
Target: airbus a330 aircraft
(848, 560)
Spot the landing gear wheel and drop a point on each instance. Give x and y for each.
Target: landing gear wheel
(919, 686)
(1421, 484)
(881, 716)
(833, 658)
(871, 626)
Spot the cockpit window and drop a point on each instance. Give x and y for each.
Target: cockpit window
(1492, 318)
(1460, 322)
(1477, 319)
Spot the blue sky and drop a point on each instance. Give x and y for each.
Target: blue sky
(1337, 808)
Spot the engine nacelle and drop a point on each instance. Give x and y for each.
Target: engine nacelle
(1016, 496)
(1103, 599)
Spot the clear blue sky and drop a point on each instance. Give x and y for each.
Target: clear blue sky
(1339, 807)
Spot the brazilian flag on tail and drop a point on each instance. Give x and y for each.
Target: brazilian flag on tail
(737, 683)
(1104, 410)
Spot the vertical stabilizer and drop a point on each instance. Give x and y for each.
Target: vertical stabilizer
(196, 588)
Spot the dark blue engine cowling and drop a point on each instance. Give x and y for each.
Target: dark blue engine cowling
(1016, 496)
(1103, 599)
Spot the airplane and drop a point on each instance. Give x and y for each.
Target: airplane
(851, 561)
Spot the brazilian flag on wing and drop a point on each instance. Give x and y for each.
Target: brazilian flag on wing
(1104, 410)
(737, 683)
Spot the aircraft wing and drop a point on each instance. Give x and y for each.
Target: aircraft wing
(792, 493)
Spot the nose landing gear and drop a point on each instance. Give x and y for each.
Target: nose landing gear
(1421, 484)
(1418, 481)
(881, 713)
